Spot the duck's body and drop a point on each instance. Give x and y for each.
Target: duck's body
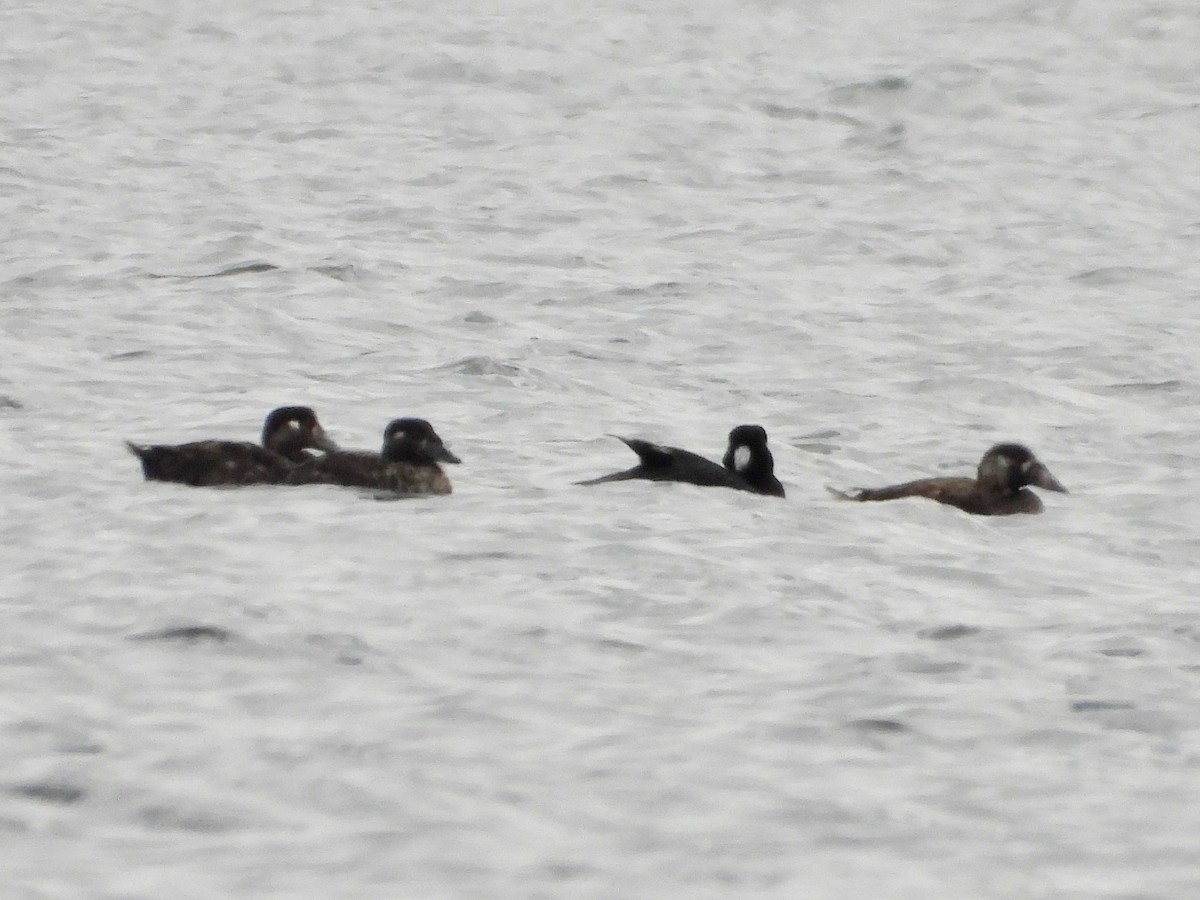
(288, 433)
(407, 463)
(363, 469)
(212, 463)
(748, 464)
(1000, 488)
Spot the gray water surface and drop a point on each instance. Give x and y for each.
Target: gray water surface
(893, 235)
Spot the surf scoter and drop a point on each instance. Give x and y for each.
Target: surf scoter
(747, 465)
(999, 488)
(407, 463)
(288, 433)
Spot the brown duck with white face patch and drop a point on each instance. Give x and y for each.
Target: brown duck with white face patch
(1000, 487)
(288, 433)
(406, 464)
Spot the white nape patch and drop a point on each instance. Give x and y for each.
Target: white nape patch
(741, 459)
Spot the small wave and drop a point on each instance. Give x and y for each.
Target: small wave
(130, 354)
(948, 632)
(187, 634)
(243, 269)
(321, 134)
(49, 792)
(879, 726)
(776, 111)
(337, 273)
(1168, 386)
(1099, 705)
(544, 260)
(1110, 276)
(482, 367)
(860, 90)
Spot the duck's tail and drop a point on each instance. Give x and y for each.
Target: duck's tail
(627, 475)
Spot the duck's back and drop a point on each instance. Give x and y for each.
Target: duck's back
(659, 463)
(966, 494)
(211, 463)
(370, 470)
(692, 468)
(348, 468)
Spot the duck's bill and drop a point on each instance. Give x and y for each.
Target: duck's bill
(441, 454)
(1043, 479)
(322, 441)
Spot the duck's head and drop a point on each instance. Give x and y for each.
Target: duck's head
(1010, 467)
(749, 457)
(290, 430)
(414, 441)
(747, 449)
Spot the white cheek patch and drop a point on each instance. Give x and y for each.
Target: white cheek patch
(741, 459)
(1027, 465)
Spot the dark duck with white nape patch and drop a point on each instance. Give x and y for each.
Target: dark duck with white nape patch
(406, 464)
(748, 464)
(1000, 487)
(288, 433)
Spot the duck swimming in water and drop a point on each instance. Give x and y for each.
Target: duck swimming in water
(288, 433)
(999, 488)
(747, 466)
(407, 463)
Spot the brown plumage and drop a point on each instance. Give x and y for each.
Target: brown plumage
(407, 463)
(999, 488)
(288, 433)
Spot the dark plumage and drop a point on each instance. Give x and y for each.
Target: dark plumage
(287, 433)
(407, 463)
(747, 465)
(999, 488)
(748, 456)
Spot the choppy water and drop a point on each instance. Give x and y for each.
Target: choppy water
(891, 235)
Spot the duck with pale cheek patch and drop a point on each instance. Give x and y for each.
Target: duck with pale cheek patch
(406, 464)
(288, 433)
(1000, 487)
(747, 465)
(749, 457)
